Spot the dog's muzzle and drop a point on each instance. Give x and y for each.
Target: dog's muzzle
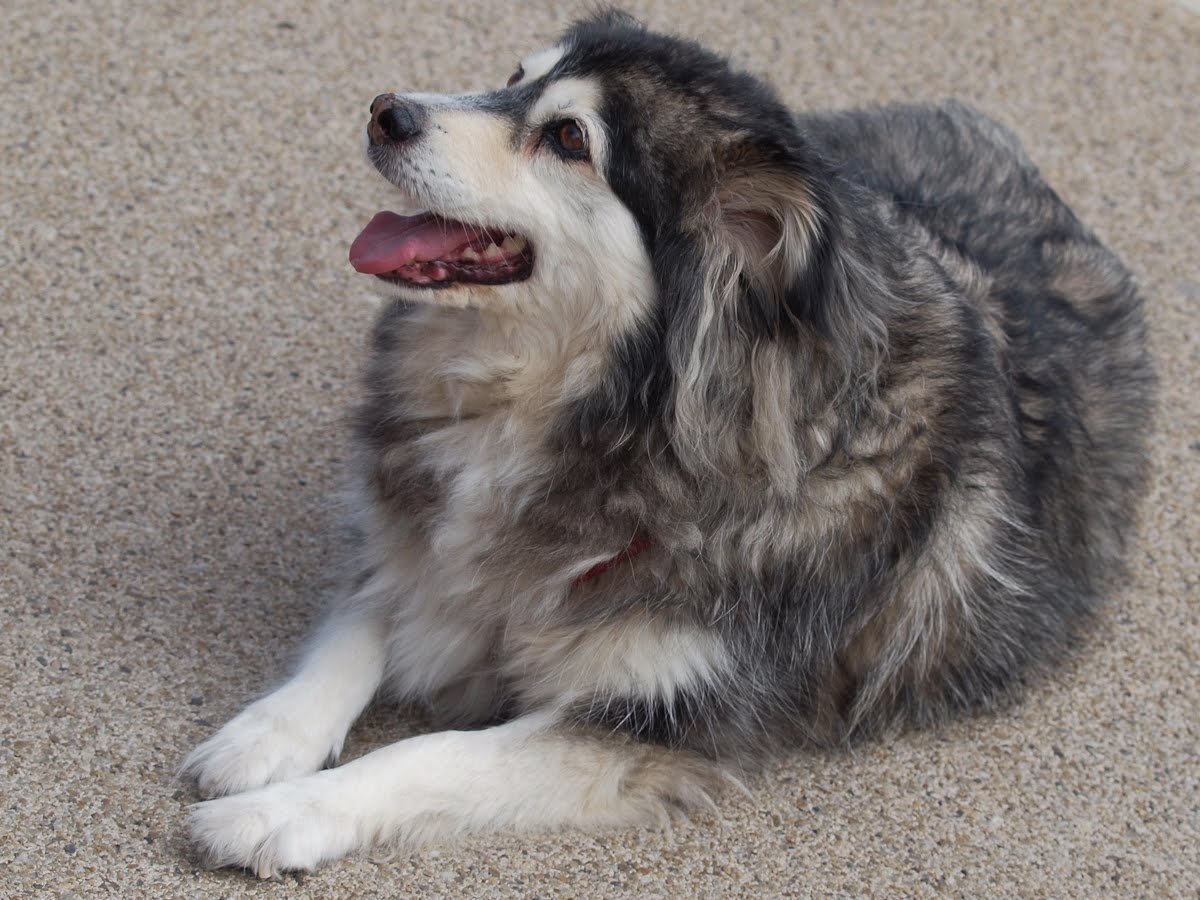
(394, 120)
(427, 249)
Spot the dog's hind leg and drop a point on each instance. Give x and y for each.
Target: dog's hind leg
(300, 726)
(527, 774)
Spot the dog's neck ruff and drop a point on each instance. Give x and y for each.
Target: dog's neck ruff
(636, 546)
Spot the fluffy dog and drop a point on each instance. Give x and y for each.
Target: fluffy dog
(696, 431)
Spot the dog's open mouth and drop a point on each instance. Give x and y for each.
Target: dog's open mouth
(431, 251)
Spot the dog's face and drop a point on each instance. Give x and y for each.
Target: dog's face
(610, 163)
(515, 208)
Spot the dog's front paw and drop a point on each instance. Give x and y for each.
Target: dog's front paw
(267, 742)
(279, 828)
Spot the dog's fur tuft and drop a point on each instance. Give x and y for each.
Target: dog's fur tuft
(765, 430)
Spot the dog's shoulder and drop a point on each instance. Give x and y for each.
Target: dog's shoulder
(956, 174)
(903, 141)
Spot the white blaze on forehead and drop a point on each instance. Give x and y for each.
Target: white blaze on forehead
(538, 64)
(568, 97)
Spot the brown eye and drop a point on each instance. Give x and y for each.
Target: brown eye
(516, 76)
(571, 137)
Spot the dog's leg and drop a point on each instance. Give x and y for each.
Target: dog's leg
(299, 727)
(525, 774)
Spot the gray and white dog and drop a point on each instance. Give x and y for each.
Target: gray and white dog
(695, 431)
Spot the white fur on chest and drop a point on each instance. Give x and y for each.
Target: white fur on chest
(445, 599)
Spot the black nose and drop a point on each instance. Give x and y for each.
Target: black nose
(394, 120)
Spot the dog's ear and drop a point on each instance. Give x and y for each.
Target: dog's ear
(770, 233)
(771, 311)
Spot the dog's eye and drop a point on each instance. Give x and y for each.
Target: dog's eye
(516, 76)
(569, 139)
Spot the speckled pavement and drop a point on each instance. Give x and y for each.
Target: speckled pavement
(180, 335)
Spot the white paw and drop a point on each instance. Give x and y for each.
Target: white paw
(265, 743)
(279, 828)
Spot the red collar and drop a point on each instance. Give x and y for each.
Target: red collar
(636, 546)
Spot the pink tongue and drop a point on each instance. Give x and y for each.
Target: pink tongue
(390, 241)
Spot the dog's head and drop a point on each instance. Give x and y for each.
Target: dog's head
(603, 155)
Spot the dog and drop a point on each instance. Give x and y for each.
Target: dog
(694, 431)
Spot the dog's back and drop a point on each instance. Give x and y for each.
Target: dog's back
(1065, 311)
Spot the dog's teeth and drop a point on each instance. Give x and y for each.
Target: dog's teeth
(514, 243)
(470, 255)
(493, 253)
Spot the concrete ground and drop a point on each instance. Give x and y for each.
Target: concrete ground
(180, 336)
